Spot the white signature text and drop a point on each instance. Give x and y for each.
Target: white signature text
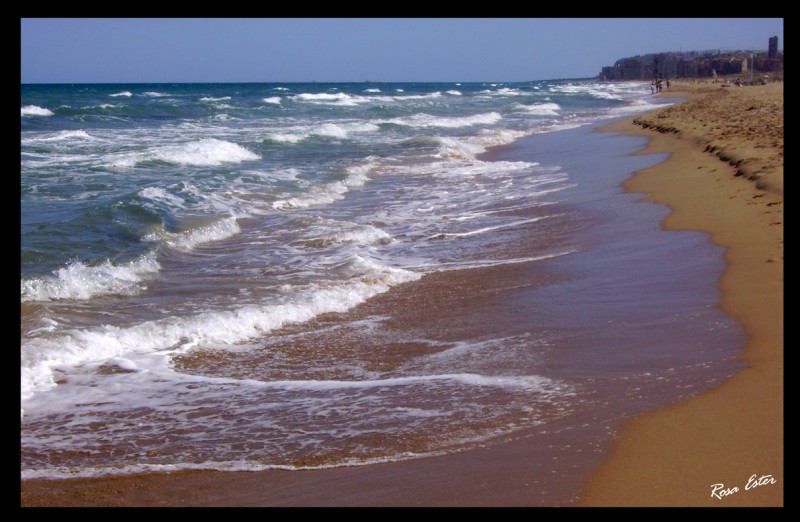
(721, 490)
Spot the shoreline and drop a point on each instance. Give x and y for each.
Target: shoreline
(725, 440)
(489, 476)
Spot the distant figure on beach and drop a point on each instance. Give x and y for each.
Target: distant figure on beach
(667, 83)
(653, 87)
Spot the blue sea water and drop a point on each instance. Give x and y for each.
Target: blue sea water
(181, 243)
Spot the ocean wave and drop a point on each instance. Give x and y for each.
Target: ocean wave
(123, 93)
(80, 281)
(326, 194)
(35, 110)
(338, 98)
(189, 239)
(205, 152)
(272, 99)
(372, 90)
(454, 93)
(594, 90)
(211, 99)
(430, 95)
(323, 233)
(41, 355)
(159, 194)
(102, 106)
(154, 94)
(362, 235)
(427, 120)
(504, 91)
(467, 148)
(328, 130)
(60, 136)
(540, 109)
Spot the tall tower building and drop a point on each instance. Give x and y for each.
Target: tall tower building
(773, 47)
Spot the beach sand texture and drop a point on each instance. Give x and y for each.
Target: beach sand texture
(724, 176)
(669, 457)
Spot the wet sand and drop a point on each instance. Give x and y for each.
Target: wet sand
(724, 176)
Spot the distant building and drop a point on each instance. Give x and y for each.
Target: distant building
(632, 70)
(696, 64)
(773, 48)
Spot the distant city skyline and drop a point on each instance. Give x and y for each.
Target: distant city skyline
(144, 50)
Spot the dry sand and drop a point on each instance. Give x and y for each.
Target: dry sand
(725, 177)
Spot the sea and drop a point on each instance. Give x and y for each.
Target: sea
(299, 276)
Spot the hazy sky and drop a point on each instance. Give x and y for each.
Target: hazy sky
(97, 50)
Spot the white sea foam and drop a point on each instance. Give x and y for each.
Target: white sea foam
(212, 99)
(361, 234)
(326, 194)
(540, 109)
(523, 382)
(485, 263)
(427, 120)
(372, 90)
(81, 281)
(161, 195)
(504, 91)
(431, 95)
(592, 89)
(338, 98)
(123, 93)
(489, 229)
(272, 99)
(41, 355)
(400, 90)
(154, 94)
(454, 93)
(326, 232)
(35, 110)
(280, 88)
(189, 239)
(60, 136)
(328, 130)
(205, 152)
(467, 148)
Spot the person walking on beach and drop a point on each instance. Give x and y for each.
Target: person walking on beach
(667, 83)
(653, 87)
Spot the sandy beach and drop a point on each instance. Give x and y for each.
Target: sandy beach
(724, 176)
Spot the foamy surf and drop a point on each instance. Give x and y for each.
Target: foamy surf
(41, 355)
(190, 239)
(205, 152)
(35, 110)
(427, 120)
(322, 195)
(79, 281)
(325, 130)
